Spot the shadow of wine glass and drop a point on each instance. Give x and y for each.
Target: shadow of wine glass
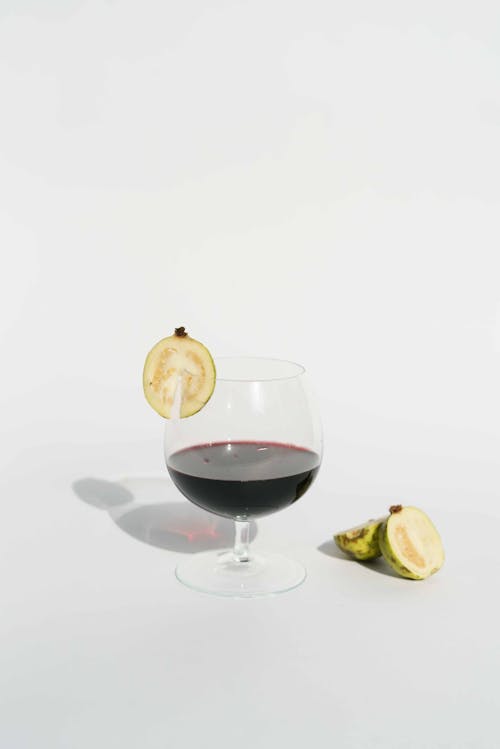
(330, 549)
(141, 507)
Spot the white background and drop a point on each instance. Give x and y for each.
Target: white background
(315, 181)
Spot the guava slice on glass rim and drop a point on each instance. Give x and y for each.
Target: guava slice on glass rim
(178, 361)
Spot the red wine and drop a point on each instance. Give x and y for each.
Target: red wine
(243, 479)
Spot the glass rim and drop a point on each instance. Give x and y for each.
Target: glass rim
(296, 369)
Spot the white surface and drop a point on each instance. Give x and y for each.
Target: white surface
(311, 182)
(102, 647)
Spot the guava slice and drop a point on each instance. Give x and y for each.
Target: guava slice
(361, 542)
(410, 543)
(178, 361)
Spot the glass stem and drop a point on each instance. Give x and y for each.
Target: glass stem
(241, 540)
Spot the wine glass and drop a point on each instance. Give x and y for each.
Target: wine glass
(253, 449)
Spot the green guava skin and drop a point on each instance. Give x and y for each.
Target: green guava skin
(362, 542)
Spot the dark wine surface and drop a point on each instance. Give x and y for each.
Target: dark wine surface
(243, 479)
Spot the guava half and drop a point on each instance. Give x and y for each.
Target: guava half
(410, 543)
(361, 542)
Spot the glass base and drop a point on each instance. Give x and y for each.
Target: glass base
(221, 574)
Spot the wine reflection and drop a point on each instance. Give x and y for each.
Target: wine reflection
(142, 508)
